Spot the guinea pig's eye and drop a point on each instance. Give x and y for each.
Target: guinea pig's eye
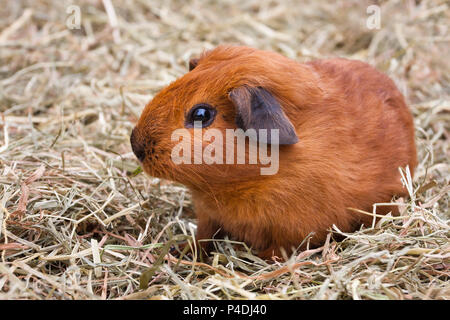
(203, 113)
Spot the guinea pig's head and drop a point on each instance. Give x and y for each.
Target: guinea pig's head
(226, 89)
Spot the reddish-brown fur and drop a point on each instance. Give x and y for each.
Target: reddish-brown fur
(354, 131)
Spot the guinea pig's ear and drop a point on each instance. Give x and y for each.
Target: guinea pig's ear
(193, 63)
(257, 108)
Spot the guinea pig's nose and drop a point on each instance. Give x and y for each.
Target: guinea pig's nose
(137, 146)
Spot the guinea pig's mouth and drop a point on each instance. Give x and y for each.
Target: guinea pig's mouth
(147, 154)
(137, 146)
(144, 149)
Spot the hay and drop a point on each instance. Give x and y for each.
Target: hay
(79, 221)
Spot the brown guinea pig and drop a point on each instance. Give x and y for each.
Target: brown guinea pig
(341, 130)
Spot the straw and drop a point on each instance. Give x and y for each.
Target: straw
(80, 220)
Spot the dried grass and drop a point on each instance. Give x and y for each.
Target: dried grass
(78, 220)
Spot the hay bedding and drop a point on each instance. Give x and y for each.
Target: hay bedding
(78, 220)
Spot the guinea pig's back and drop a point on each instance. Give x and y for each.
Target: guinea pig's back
(371, 128)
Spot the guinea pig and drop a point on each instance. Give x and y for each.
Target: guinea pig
(340, 132)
